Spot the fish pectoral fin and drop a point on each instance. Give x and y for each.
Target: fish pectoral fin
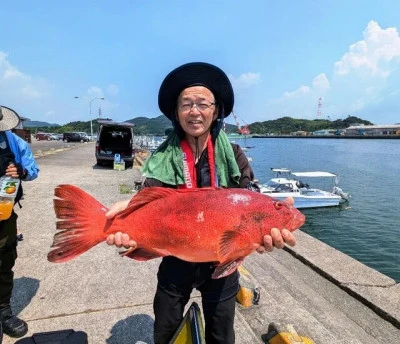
(140, 254)
(235, 243)
(227, 268)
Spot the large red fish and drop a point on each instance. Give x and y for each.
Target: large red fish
(202, 225)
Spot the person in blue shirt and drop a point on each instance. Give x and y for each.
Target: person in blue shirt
(17, 161)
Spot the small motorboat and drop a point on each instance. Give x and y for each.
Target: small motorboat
(287, 184)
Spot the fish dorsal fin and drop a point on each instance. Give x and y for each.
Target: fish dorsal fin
(147, 195)
(144, 197)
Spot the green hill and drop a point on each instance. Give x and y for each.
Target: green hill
(158, 125)
(286, 125)
(150, 126)
(35, 124)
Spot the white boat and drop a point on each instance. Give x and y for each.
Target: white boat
(151, 144)
(287, 184)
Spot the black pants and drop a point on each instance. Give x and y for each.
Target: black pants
(176, 280)
(8, 255)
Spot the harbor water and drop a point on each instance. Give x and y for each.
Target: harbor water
(368, 227)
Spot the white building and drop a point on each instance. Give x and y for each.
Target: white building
(371, 130)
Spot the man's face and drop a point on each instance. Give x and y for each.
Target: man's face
(196, 110)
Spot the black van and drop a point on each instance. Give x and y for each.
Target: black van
(115, 138)
(75, 137)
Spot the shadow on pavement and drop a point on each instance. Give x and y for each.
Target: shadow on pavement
(136, 328)
(109, 166)
(25, 288)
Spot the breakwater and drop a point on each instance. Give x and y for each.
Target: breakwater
(339, 137)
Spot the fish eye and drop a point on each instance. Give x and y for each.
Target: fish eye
(278, 205)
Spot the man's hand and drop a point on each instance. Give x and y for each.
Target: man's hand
(119, 239)
(277, 239)
(15, 171)
(116, 208)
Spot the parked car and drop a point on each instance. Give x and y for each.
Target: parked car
(115, 138)
(52, 136)
(84, 135)
(42, 136)
(75, 137)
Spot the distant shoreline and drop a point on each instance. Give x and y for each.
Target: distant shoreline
(357, 137)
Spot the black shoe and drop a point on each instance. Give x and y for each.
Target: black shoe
(12, 325)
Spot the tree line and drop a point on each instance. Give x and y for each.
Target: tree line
(160, 125)
(287, 125)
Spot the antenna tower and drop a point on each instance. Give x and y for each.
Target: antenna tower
(319, 110)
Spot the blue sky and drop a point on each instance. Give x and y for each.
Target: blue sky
(280, 56)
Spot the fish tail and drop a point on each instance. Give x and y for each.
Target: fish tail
(81, 223)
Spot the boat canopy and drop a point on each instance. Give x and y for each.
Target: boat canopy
(313, 174)
(281, 170)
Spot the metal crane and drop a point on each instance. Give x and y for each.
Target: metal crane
(243, 130)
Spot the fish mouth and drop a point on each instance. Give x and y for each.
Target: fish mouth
(296, 221)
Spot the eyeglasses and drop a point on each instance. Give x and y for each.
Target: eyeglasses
(200, 106)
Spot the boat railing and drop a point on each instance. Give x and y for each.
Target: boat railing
(338, 191)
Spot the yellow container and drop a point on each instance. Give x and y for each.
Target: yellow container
(120, 166)
(6, 206)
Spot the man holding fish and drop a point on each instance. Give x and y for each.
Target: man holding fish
(196, 97)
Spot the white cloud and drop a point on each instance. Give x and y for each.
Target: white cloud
(373, 56)
(244, 81)
(7, 71)
(95, 91)
(357, 105)
(112, 89)
(12, 73)
(362, 83)
(16, 85)
(97, 105)
(29, 91)
(367, 74)
(300, 92)
(321, 83)
(301, 102)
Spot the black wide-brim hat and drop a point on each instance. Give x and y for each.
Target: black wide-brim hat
(195, 74)
(9, 119)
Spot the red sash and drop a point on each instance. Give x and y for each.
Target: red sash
(189, 168)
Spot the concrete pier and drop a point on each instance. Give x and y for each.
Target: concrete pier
(326, 295)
